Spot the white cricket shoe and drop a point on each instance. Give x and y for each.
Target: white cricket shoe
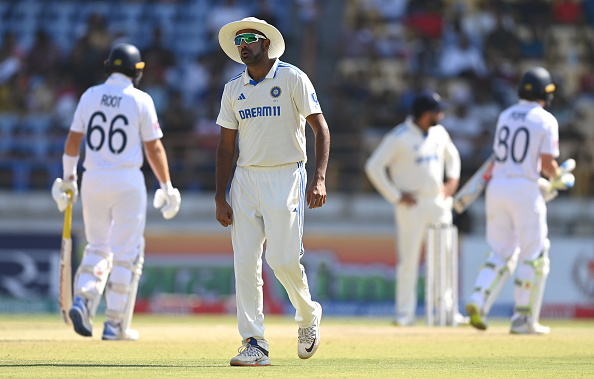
(251, 354)
(476, 317)
(460, 319)
(113, 332)
(404, 321)
(309, 338)
(79, 315)
(525, 325)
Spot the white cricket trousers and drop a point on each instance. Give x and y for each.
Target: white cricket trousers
(516, 221)
(268, 204)
(114, 214)
(411, 231)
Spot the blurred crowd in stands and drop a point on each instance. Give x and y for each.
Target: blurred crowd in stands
(380, 53)
(473, 53)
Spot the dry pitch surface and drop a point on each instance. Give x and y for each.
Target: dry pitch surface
(201, 346)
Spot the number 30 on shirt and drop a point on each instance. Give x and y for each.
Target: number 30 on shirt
(514, 146)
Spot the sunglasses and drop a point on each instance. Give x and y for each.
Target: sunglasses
(248, 38)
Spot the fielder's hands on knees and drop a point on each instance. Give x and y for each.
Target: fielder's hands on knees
(168, 199)
(60, 189)
(224, 213)
(316, 194)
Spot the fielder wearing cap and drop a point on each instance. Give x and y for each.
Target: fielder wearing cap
(408, 170)
(428, 102)
(265, 108)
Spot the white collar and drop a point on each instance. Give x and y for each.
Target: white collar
(413, 126)
(271, 74)
(529, 102)
(119, 78)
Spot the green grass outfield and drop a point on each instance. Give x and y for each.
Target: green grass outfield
(201, 346)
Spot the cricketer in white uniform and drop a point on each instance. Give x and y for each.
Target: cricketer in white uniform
(407, 169)
(266, 108)
(526, 143)
(116, 121)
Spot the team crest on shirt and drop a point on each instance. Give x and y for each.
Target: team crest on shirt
(275, 91)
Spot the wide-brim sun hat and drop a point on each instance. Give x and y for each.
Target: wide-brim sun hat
(228, 32)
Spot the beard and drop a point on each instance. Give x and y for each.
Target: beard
(252, 57)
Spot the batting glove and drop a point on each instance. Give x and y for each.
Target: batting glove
(547, 190)
(168, 199)
(565, 178)
(60, 190)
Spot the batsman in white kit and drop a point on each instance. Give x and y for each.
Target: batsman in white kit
(526, 144)
(408, 170)
(117, 121)
(265, 108)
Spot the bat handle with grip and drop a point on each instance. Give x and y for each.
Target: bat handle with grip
(68, 217)
(65, 291)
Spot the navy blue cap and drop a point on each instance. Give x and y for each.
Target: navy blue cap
(427, 101)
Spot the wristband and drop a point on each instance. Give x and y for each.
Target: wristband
(167, 187)
(70, 164)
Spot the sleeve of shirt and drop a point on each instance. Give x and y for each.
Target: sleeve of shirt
(78, 122)
(453, 165)
(304, 96)
(150, 129)
(551, 137)
(376, 169)
(227, 118)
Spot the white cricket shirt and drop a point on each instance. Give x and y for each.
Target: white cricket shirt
(408, 160)
(524, 132)
(116, 119)
(270, 115)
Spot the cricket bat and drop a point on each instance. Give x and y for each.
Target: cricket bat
(66, 264)
(474, 187)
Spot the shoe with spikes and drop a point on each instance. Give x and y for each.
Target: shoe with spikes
(476, 318)
(79, 315)
(112, 331)
(309, 338)
(251, 354)
(524, 325)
